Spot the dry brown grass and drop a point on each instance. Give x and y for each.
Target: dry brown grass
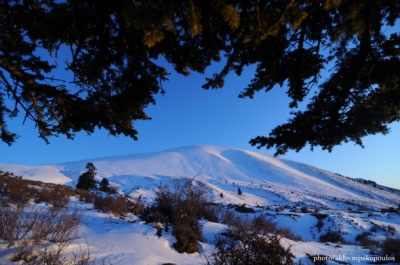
(40, 235)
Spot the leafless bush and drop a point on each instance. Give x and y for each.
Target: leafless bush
(64, 225)
(288, 233)
(39, 235)
(11, 223)
(331, 236)
(391, 230)
(384, 228)
(365, 240)
(212, 212)
(182, 205)
(243, 209)
(85, 196)
(136, 206)
(227, 216)
(15, 189)
(53, 254)
(116, 206)
(20, 191)
(262, 223)
(111, 203)
(250, 242)
(390, 247)
(304, 209)
(55, 197)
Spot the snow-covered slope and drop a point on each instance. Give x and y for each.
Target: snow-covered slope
(281, 187)
(263, 179)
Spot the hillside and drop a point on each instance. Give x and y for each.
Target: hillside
(263, 179)
(315, 204)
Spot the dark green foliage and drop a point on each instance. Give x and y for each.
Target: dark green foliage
(111, 51)
(243, 209)
(86, 180)
(331, 236)
(319, 216)
(104, 185)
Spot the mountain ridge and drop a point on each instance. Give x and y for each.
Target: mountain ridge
(266, 179)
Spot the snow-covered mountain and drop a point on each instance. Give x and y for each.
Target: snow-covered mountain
(275, 187)
(263, 179)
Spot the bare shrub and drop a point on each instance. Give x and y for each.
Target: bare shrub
(365, 240)
(85, 196)
(319, 225)
(380, 227)
(43, 195)
(267, 225)
(182, 205)
(136, 206)
(83, 257)
(119, 206)
(390, 247)
(288, 233)
(116, 206)
(243, 209)
(304, 209)
(211, 212)
(40, 235)
(55, 197)
(227, 216)
(389, 210)
(331, 236)
(11, 223)
(391, 230)
(187, 236)
(16, 190)
(64, 225)
(102, 203)
(250, 242)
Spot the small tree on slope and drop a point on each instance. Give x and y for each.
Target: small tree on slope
(104, 185)
(86, 180)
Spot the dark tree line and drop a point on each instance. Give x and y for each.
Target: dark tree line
(112, 51)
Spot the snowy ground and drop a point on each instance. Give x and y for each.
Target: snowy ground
(274, 187)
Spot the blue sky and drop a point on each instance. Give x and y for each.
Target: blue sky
(188, 114)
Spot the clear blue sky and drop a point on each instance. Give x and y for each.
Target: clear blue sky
(188, 115)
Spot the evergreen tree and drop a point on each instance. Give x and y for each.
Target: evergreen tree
(239, 191)
(104, 185)
(112, 48)
(86, 180)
